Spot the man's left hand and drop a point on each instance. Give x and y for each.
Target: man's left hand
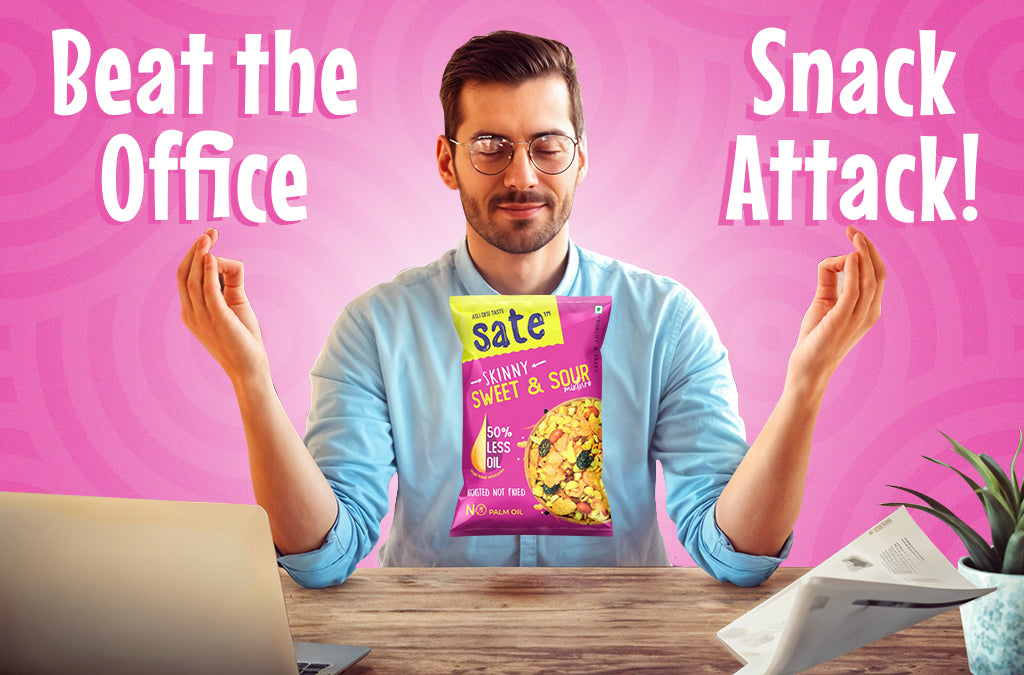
(838, 318)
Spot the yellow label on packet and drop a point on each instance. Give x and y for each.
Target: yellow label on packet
(495, 325)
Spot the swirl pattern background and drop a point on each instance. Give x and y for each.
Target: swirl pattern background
(103, 391)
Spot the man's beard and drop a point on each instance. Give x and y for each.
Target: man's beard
(523, 236)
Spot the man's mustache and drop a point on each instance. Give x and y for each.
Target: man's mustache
(519, 197)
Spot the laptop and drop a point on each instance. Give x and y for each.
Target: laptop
(99, 585)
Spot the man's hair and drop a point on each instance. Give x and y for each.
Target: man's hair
(507, 57)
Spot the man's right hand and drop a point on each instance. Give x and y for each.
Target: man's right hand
(286, 481)
(214, 307)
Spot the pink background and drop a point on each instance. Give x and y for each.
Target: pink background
(103, 391)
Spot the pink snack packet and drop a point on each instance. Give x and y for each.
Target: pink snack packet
(531, 381)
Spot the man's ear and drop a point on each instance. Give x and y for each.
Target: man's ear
(581, 169)
(446, 163)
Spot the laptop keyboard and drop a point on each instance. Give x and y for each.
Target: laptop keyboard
(311, 668)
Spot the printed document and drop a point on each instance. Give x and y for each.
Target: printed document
(889, 578)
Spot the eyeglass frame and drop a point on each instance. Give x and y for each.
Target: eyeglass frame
(529, 153)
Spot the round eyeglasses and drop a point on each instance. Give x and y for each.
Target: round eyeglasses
(551, 153)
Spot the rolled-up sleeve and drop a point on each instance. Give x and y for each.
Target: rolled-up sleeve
(348, 433)
(327, 565)
(700, 440)
(725, 563)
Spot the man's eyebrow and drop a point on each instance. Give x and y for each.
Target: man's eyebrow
(552, 132)
(491, 134)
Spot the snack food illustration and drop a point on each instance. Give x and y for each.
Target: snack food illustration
(563, 458)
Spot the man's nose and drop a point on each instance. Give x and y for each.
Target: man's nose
(521, 174)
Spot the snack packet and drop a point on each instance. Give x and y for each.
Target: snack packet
(531, 382)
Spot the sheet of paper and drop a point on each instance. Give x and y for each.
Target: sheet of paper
(895, 550)
(889, 578)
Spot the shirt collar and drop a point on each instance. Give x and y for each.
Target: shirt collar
(476, 285)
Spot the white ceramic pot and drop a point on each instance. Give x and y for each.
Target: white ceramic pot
(994, 624)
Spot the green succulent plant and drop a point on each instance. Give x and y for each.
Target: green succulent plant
(1001, 497)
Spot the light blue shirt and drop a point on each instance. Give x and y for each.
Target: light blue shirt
(387, 397)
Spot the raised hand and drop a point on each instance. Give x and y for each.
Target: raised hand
(214, 307)
(838, 319)
(286, 481)
(760, 505)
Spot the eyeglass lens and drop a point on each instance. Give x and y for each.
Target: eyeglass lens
(551, 154)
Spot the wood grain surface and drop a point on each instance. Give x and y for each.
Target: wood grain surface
(571, 620)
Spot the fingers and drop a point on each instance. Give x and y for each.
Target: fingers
(851, 293)
(183, 269)
(186, 269)
(194, 284)
(871, 253)
(838, 319)
(212, 296)
(864, 245)
(232, 272)
(864, 278)
(872, 278)
(194, 275)
(231, 290)
(828, 277)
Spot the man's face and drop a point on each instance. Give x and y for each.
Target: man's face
(521, 209)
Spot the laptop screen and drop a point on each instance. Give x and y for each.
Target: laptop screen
(105, 585)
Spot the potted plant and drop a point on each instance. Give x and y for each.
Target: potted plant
(993, 624)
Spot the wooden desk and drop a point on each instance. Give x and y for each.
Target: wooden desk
(571, 620)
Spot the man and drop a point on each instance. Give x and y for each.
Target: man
(387, 386)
